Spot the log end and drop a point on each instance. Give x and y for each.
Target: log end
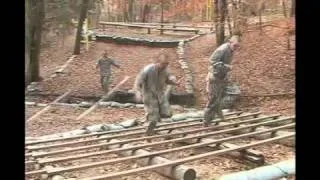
(190, 174)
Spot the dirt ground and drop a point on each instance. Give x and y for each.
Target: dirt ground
(263, 65)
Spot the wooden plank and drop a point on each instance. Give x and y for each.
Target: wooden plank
(206, 143)
(136, 128)
(187, 159)
(42, 154)
(103, 98)
(49, 106)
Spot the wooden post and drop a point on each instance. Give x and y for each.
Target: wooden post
(149, 30)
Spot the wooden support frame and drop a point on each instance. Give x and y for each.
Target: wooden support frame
(101, 145)
(188, 159)
(138, 128)
(158, 129)
(176, 162)
(73, 157)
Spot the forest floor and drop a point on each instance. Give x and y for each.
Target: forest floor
(263, 67)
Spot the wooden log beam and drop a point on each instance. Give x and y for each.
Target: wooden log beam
(103, 98)
(249, 154)
(85, 155)
(183, 139)
(49, 106)
(288, 142)
(188, 159)
(139, 128)
(132, 155)
(170, 128)
(126, 97)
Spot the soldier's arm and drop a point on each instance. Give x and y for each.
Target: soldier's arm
(171, 80)
(115, 63)
(98, 63)
(217, 56)
(140, 79)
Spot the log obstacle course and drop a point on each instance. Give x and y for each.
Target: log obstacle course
(155, 26)
(69, 154)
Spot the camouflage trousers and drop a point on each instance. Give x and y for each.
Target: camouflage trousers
(214, 105)
(156, 107)
(105, 81)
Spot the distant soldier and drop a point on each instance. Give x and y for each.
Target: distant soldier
(105, 70)
(150, 85)
(217, 78)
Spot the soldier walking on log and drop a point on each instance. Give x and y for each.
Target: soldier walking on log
(105, 63)
(217, 78)
(150, 86)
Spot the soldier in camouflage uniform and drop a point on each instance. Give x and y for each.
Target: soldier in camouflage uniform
(105, 64)
(216, 84)
(217, 78)
(150, 85)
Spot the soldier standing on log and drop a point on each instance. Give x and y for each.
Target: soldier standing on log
(150, 86)
(105, 63)
(217, 78)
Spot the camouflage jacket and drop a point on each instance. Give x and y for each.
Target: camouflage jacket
(222, 54)
(105, 65)
(151, 80)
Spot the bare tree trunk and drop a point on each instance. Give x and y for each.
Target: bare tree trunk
(220, 34)
(82, 17)
(27, 43)
(293, 8)
(161, 31)
(145, 13)
(161, 11)
(99, 6)
(36, 31)
(284, 8)
(108, 9)
(216, 18)
(260, 21)
(130, 10)
(229, 21)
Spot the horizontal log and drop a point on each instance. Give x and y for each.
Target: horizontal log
(139, 128)
(187, 159)
(288, 142)
(203, 141)
(101, 145)
(183, 133)
(123, 97)
(157, 129)
(274, 171)
(152, 154)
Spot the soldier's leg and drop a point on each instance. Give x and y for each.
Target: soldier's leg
(101, 81)
(209, 113)
(165, 109)
(106, 84)
(152, 112)
(219, 105)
